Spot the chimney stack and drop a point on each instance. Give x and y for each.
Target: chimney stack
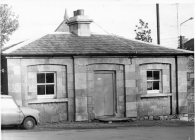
(79, 24)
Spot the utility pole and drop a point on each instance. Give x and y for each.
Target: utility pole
(158, 24)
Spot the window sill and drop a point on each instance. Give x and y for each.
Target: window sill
(155, 95)
(40, 101)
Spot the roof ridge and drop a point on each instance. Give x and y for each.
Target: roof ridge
(59, 33)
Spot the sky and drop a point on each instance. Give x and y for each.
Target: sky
(117, 17)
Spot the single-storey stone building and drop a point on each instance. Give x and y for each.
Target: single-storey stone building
(74, 75)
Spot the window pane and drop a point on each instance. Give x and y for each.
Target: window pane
(156, 85)
(49, 77)
(149, 75)
(40, 77)
(156, 75)
(41, 89)
(149, 85)
(49, 89)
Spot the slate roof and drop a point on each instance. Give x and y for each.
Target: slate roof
(67, 44)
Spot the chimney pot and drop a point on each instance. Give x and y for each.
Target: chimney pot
(79, 24)
(75, 13)
(80, 12)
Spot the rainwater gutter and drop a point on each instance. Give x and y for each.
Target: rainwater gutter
(176, 80)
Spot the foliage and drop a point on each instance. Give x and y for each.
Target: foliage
(8, 23)
(143, 32)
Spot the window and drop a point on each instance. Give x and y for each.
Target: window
(45, 85)
(153, 81)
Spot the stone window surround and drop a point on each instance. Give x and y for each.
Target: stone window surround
(54, 98)
(40, 101)
(156, 95)
(148, 95)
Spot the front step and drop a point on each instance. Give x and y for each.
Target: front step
(112, 119)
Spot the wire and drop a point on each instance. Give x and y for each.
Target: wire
(171, 43)
(170, 38)
(115, 37)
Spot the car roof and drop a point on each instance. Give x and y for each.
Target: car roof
(6, 96)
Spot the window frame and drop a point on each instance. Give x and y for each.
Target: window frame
(47, 96)
(160, 81)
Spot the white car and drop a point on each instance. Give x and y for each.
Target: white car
(12, 114)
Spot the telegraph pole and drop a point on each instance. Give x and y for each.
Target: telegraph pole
(158, 24)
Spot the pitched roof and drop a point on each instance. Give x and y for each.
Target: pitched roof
(67, 44)
(189, 45)
(63, 27)
(8, 47)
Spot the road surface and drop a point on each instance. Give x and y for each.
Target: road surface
(124, 133)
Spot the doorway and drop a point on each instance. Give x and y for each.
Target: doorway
(104, 97)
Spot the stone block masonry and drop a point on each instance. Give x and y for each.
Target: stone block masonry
(149, 104)
(51, 112)
(84, 84)
(22, 74)
(130, 86)
(190, 95)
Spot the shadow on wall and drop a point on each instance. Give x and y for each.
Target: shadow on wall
(4, 79)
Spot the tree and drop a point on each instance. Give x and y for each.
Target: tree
(143, 32)
(8, 23)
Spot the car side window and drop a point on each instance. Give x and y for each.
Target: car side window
(8, 103)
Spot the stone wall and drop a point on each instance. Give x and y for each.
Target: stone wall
(190, 96)
(156, 104)
(84, 84)
(15, 82)
(137, 101)
(22, 84)
(51, 112)
(190, 88)
(75, 88)
(182, 85)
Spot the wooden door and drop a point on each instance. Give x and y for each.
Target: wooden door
(104, 93)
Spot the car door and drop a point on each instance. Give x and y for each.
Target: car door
(10, 113)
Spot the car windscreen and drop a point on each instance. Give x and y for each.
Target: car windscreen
(8, 103)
